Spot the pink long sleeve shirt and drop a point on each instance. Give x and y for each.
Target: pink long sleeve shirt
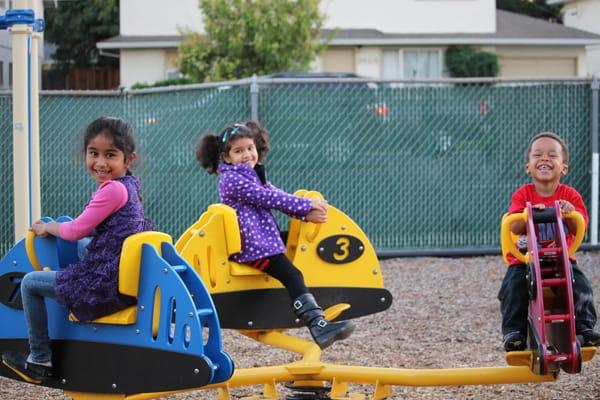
(109, 198)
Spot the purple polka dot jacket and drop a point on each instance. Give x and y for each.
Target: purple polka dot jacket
(241, 188)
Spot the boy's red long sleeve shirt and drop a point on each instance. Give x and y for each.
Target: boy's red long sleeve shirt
(527, 193)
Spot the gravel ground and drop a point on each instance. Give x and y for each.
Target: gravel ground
(445, 315)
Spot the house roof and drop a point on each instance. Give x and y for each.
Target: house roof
(511, 29)
(140, 42)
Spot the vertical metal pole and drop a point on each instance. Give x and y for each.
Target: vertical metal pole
(595, 161)
(254, 98)
(21, 177)
(34, 93)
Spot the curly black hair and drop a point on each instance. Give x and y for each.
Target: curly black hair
(211, 147)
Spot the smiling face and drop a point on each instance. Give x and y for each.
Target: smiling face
(104, 161)
(545, 162)
(242, 151)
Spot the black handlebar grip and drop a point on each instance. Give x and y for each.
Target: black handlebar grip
(548, 214)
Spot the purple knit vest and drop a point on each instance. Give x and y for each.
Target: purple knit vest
(89, 288)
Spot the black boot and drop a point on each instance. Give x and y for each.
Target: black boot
(323, 332)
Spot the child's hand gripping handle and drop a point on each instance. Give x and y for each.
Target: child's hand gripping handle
(30, 248)
(316, 198)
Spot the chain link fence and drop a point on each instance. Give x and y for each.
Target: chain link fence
(419, 165)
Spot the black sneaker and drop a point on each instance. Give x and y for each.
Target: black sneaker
(29, 372)
(514, 341)
(589, 338)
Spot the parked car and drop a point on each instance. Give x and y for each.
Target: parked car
(335, 83)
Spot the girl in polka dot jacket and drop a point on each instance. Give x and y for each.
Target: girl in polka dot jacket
(236, 155)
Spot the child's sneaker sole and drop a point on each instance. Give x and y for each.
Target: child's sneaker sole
(589, 339)
(29, 372)
(514, 342)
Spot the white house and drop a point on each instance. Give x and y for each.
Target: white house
(584, 15)
(390, 39)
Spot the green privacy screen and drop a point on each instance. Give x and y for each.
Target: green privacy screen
(417, 165)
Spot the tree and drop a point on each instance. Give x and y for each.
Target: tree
(252, 37)
(76, 26)
(533, 8)
(468, 62)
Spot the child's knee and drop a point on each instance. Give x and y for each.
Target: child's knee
(36, 279)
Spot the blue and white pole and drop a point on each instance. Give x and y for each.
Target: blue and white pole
(22, 25)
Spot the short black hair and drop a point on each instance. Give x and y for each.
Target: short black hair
(551, 135)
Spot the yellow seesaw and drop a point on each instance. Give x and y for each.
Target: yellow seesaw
(327, 256)
(173, 283)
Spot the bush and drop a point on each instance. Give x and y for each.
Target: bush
(166, 82)
(466, 61)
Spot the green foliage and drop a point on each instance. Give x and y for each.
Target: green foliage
(533, 8)
(166, 82)
(76, 26)
(466, 61)
(252, 37)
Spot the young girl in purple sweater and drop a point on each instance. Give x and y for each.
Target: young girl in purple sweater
(236, 155)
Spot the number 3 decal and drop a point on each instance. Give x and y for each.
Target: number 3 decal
(343, 250)
(340, 249)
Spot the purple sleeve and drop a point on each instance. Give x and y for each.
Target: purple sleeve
(302, 215)
(109, 198)
(245, 190)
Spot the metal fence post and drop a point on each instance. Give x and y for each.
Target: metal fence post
(254, 98)
(595, 160)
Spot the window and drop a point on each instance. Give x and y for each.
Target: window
(173, 74)
(10, 77)
(422, 64)
(412, 64)
(391, 64)
(1, 73)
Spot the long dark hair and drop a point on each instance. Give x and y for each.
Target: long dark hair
(211, 148)
(121, 134)
(117, 129)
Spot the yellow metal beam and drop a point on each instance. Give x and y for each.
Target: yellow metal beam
(311, 370)
(390, 376)
(432, 377)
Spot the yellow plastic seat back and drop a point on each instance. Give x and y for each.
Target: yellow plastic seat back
(129, 274)
(131, 258)
(295, 224)
(208, 244)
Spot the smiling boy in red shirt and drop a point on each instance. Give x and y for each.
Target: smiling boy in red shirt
(547, 158)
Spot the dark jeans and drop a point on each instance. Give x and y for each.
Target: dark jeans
(514, 300)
